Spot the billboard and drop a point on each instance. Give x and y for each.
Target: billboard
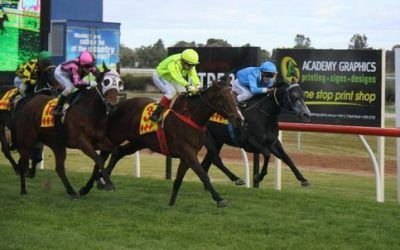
(341, 87)
(19, 32)
(102, 42)
(215, 62)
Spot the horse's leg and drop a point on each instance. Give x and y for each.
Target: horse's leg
(23, 165)
(5, 149)
(89, 185)
(116, 155)
(36, 157)
(60, 155)
(264, 171)
(182, 168)
(88, 150)
(252, 142)
(213, 151)
(190, 158)
(278, 151)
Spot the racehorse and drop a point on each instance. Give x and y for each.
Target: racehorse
(260, 131)
(184, 128)
(85, 125)
(48, 86)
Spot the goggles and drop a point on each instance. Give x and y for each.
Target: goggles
(268, 74)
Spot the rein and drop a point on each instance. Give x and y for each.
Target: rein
(189, 121)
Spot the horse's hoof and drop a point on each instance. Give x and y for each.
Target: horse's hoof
(222, 203)
(83, 191)
(31, 174)
(239, 182)
(100, 185)
(258, 178)
(23, 193)
(109, 187)
(305, 184)
(74, 197)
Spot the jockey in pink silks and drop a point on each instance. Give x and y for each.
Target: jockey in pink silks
(71, 73)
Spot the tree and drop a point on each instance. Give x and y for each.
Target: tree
(302, 42)
(265, 55)
(150, 56)
(128, 57)
(358, 41)
(184, 44)
(213, 42)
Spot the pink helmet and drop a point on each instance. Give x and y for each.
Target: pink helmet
(86, 59)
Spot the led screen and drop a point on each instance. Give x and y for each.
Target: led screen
(19, 32)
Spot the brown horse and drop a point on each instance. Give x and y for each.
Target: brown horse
(48, 86)
(85, 127)
(184, 131)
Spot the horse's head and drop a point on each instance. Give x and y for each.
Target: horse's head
(292, 99)
(224, 101)
(46, 74)
(109, 85)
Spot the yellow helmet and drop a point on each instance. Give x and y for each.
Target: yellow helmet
(190, 56)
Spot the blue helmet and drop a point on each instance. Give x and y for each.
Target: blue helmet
(268, 67)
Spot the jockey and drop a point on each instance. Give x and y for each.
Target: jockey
(28, 72)
(254, 80)
(170, 76)
(70, 74)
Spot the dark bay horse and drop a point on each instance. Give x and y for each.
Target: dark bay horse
(85, 127)
(184, 131)
(46, 85)
(260, 131)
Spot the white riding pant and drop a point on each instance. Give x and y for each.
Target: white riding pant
(18, 83)
(169, 89)
(243, 93)
(63, 78)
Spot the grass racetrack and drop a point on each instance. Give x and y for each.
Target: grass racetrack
(338, 211)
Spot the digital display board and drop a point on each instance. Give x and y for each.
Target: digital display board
(102, 42)
(19, 32)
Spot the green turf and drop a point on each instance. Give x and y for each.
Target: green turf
(338, 212)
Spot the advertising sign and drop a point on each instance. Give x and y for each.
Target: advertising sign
(215, 62)
(19, 32)
(341, 87)
(103, 43)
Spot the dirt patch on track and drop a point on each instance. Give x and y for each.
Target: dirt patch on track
(328, 163)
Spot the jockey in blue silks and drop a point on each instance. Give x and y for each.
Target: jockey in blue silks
(254, 80)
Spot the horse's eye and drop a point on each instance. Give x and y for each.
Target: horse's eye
(107, 82)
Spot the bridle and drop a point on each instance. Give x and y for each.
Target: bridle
(105, 89)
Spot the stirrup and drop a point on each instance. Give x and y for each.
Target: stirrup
(58, 112)
(156, 118)
(242, 104)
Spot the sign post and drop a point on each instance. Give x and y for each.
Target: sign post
(397, 88)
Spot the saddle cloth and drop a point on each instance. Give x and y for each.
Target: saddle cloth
(5, 100)
(147, 125)
(218, 119)
(47, 115)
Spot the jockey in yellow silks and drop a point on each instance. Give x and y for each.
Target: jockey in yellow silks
(170, 75)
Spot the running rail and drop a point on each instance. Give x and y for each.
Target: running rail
(378, 164)
(356, 130)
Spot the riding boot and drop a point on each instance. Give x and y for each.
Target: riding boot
(57, 118)
(59, 107)
(156, 116)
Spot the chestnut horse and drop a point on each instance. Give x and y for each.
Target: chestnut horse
(48, 86)
(85, 127)
(184, 131)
